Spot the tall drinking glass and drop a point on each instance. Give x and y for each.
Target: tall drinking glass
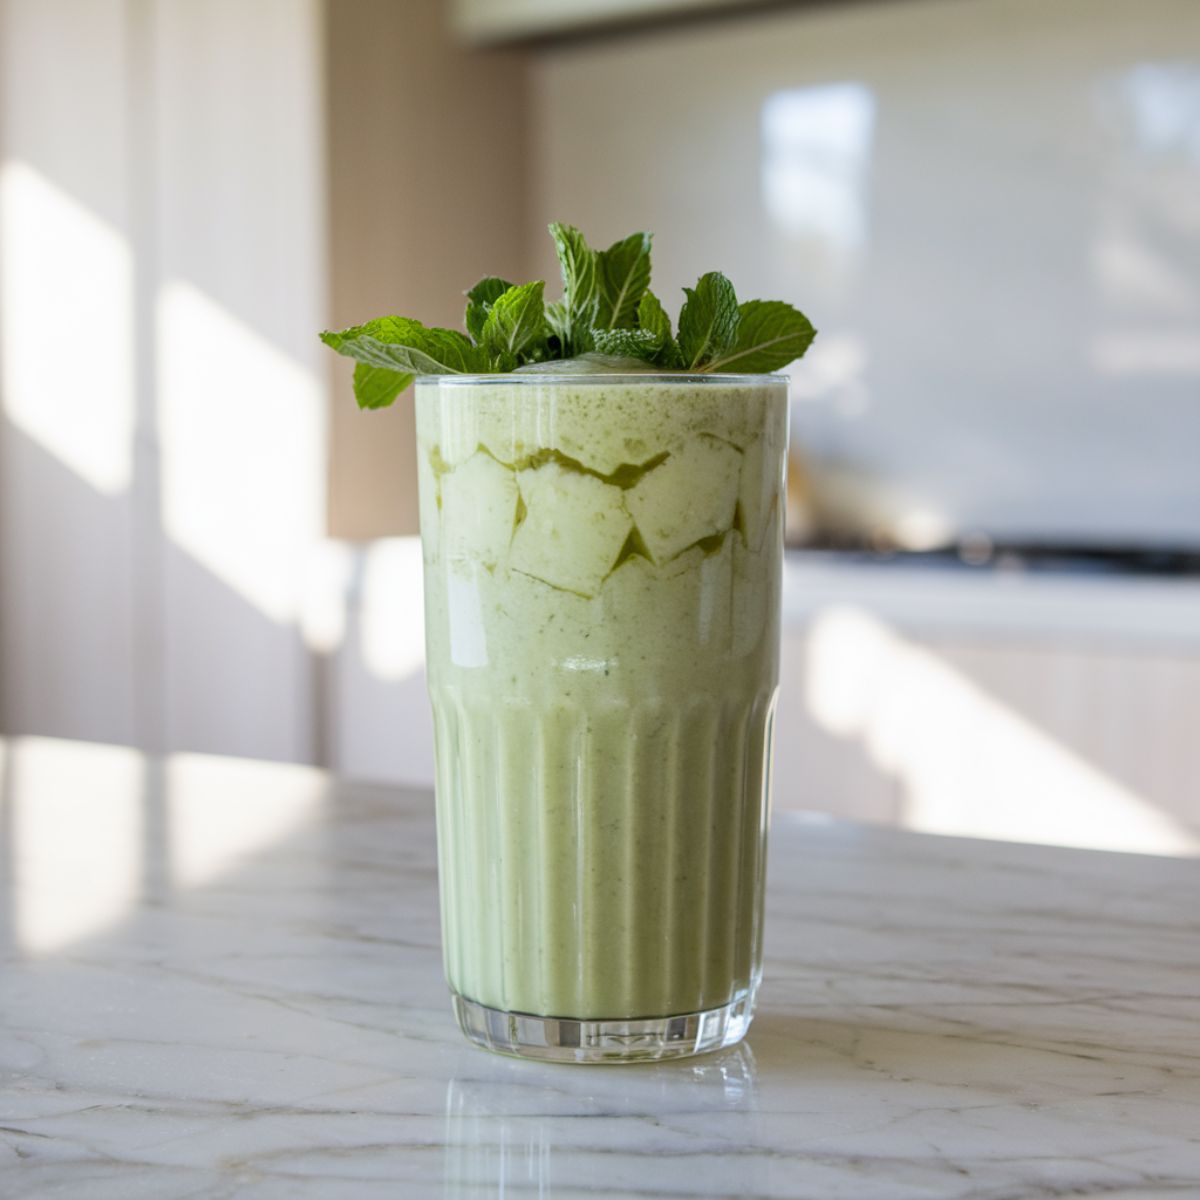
(602, 576)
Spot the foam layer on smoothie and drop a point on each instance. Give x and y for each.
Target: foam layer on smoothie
(602, 564)
(605, 427)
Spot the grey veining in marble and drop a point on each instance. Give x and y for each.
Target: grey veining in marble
(222, 979)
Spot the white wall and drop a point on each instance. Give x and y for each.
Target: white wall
(68, 406)
(174, 177)
(162, 447)
(990, 210)
(238, 154)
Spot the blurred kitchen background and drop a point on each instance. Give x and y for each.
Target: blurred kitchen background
(990, 209)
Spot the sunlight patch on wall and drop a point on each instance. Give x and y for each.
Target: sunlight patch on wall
(816, 158)
(328, 580)
(1154, 108)
(66, 328)
(1144, 255)
(76, 818)
(241, 450)
(392, 608)
(967, 764)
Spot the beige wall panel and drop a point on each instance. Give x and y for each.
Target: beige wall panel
(428, 164)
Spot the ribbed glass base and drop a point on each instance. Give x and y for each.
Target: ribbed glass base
(561, 1039)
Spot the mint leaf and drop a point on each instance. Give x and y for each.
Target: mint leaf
(480, 300)
(377, 387)
(708, 320)
(572, 340)
(669, 357)
(653, 318)
(577, 312)
(515, 324)
(623, 275)
(628, 343)
(770, 334)
(403, 345)
(558, 320)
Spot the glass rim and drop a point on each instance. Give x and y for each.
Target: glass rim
(599, 378)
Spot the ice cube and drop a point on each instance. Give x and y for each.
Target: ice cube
(479, 508)
(573, 530)
(759, 488)
(689, 497)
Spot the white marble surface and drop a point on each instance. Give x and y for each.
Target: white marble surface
(222, 979)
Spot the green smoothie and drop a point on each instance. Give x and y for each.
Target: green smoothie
(601, 521)
(602, 570)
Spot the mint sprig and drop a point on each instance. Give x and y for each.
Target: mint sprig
(607, 307)
(404, 345)
(514, 325)
(626, 343)
(708, 320)
(623, 273)
(653, 319)
(572, 319)
(770, 334)
(377, 387)
(479, 303)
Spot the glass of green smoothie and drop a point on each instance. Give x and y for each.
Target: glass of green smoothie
(602, 532)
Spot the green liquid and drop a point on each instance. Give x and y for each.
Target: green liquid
(602, 566)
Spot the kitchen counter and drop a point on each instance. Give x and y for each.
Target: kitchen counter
(222, 979)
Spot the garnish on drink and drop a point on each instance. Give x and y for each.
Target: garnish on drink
(607, 314)
(601, 522)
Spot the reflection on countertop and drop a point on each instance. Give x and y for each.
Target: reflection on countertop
(521, 1131)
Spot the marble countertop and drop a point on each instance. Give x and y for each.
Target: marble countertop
(222, 979)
